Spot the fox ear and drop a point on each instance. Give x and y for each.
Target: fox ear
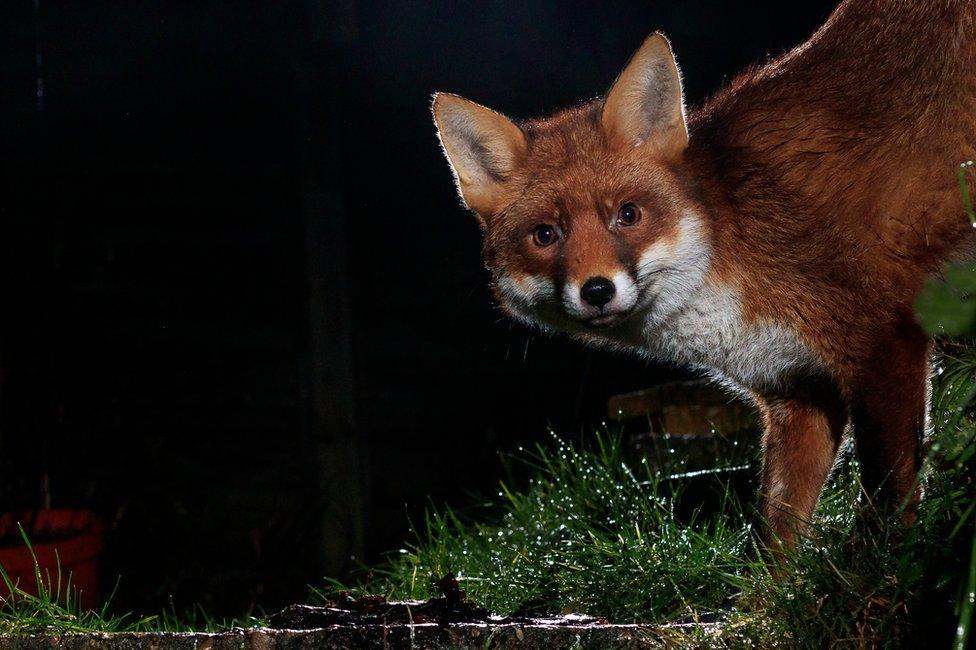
(645, 106)
(483, 148)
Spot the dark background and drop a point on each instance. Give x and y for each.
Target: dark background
(244, 318)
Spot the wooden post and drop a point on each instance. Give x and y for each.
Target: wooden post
(338, 444)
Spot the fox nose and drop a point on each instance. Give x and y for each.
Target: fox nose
(597, 291)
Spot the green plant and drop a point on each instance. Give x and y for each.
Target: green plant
(56, 609)
(590, 533)
(596, 532)
(947, 306)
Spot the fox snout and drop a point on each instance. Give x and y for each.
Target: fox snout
(600, 300)
(597, 302)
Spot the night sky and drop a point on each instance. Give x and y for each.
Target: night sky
(172, 353)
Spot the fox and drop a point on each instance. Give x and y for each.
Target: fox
(774, 238)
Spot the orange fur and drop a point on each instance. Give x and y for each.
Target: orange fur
(818, 190)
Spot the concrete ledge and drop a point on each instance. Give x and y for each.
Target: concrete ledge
(425, 635)
(375, 622)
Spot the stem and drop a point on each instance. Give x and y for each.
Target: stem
(964, 190)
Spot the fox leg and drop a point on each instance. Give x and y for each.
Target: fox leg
(800, 444)
(889, 411)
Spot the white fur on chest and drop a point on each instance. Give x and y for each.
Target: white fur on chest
(708, 333)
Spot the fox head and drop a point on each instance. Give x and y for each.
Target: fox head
(588, 223)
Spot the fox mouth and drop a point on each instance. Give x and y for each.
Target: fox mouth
(603, 321)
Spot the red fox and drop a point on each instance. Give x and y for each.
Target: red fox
(775, 237)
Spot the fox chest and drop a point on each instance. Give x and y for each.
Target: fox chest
(708, 333)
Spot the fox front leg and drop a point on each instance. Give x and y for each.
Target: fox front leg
(799, 443)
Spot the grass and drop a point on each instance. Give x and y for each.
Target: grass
(55, 608)
(586, 527)
(597, 532)
(585, 535)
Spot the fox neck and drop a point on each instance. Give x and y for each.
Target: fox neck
(710, 333)
(701, 317)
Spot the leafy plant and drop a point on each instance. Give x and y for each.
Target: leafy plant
(947, 306)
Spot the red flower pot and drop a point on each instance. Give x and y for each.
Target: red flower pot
(72, 539)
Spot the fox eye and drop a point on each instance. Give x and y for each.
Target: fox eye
(544, 235)
(628, 214)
